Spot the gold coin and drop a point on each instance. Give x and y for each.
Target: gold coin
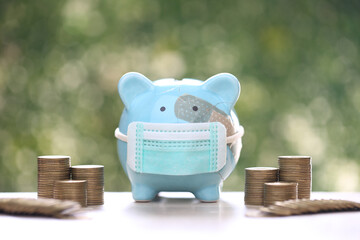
(75, 190)
(279, 191)
(296, 169)
(255, 177)
(94, 174)
(51, 168)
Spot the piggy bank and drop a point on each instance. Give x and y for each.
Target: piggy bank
(178, 135)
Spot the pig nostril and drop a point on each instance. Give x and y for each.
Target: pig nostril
(162, 108)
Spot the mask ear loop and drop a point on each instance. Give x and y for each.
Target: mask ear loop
(119, 135)
(230, 139)
(233, 138)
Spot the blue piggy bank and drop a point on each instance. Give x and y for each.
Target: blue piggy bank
(178, 135)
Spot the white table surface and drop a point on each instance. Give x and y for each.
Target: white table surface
(180, 216)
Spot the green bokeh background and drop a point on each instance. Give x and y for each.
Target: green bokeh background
(297, 61)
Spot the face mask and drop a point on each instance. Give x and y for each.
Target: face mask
(177, 149)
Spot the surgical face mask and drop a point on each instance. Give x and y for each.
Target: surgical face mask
(177, 149)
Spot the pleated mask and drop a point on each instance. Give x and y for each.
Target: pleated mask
(177, 149)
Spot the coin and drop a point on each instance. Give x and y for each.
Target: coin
(279, 191)
(94, 175)
(41, 206)
(74, 190)
(306, 206)
(296, 169)
(255, 177)
(51, 168)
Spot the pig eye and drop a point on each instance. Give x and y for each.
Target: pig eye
(162, 108)
(195, 108)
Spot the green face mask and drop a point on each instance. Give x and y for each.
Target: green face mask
(176, 149)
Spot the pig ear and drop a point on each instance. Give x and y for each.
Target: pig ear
(224, 85)
(131, 85)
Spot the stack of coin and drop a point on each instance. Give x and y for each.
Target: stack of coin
(51, 169)
(306, 206)
(255, 177)
(94, 174)
(74, 190)
(279, 191)
(296, 169)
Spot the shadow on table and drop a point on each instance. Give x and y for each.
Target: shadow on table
(180, 205)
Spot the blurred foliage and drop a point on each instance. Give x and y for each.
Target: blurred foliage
(297, 61)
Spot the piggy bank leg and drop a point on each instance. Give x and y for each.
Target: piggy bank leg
(143, 193)
(208, 193)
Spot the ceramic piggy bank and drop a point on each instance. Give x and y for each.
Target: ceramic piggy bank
(178, 135)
